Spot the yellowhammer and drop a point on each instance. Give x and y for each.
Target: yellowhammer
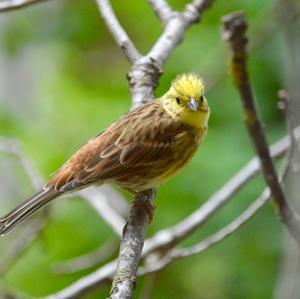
(140, 151)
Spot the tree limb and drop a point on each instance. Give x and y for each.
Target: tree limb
(130, 251)
(9, 5)
(88, 260)
(117, 31)
(234, 29)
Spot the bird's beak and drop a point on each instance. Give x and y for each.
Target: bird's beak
(193, 104)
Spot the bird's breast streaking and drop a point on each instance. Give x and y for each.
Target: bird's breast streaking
(142, 150)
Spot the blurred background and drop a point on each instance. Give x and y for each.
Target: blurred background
(63, 79)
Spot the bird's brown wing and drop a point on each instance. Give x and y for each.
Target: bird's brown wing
(140, 138)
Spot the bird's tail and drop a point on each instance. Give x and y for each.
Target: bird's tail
(25, 209)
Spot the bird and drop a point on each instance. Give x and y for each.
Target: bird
(139, 152)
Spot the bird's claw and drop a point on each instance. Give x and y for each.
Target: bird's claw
(145, 198)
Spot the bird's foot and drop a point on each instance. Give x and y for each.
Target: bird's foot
(146, 198)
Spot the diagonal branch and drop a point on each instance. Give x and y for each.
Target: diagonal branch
(145, 73)
(162, 9)
(8, 5)
(234, 29)
(12, 146)
(117, 31)
(175, 29)
(87, 260)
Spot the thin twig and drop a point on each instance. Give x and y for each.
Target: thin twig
(32, 230)
(100, 202)
(168, 238)
(162, 9)
(88, 260)
(12, 146)
(117, 31)
(285, 105)
(9, 5)
(234, 29)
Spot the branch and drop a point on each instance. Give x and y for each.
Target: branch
(194, 10)
(175, 29)
(130, 251)
(33, 229)
(168, 238)
(162, 10)
(12, 146)
(31, 232)
(117, 31)
(285, 105)
(234, 29)
(146, 71)
(88, 260)
(9, 5)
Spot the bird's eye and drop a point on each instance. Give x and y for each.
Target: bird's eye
(202, 99)
(178, 101)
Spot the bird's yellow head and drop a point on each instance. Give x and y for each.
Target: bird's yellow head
(185, 101)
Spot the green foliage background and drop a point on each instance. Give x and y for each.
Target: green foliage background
(64, 80)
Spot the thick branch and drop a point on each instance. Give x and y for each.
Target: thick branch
(16, 4)
(234, 32)
(130, 251)
(117, 31)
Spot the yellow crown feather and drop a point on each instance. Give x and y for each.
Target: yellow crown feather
(188, 85)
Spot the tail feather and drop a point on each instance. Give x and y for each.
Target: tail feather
(25, 209)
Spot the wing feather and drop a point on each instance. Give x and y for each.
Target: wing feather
(142, 137)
